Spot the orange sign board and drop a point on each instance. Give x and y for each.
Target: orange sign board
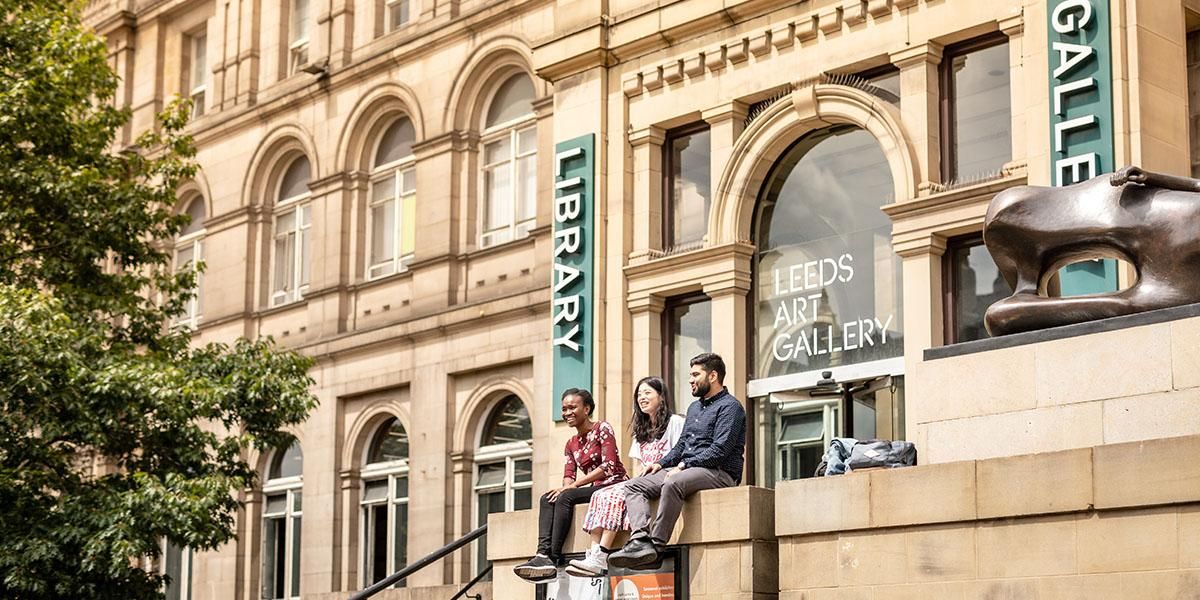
(647, 586)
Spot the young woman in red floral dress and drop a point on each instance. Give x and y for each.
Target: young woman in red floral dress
(592, 464)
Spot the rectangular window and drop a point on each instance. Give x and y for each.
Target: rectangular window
(976, 109)
(177, 566)
(510, 186)
(385, 527)
(293, 255)
(972, 283)
(501, 486)
(298, 36)
(687, 166)
(398, 13)
(187, 255)
(281, 545)
(197, 71)
(687, 331)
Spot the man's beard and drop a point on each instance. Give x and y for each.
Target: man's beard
(701, 389)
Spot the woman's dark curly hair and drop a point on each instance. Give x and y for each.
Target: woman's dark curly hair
(641, 427)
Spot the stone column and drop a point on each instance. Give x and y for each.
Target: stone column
(919, 106)
(647, 146)
(725, 122)
(332, 252)
(1014, 28)
(646, 312)
(729, 332)
(349, 553)
(440, 162)
(923, 314)
(1154, 63)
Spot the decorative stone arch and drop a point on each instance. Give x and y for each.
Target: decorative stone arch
(371, 113)
(482, 73)
(807, 109)
(480, 405)
(192, 188)
(273, 154)
(260, 460)
(364, 428)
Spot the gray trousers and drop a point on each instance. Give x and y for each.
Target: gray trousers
(671, 492)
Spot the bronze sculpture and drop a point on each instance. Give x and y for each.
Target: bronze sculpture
(1149, 220)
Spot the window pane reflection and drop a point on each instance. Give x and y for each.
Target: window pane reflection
(690, 328)
(977, 284)
(829, 285)
(688, 160)
(982, 115)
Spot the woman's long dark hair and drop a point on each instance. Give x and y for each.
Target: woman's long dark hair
(643, 431)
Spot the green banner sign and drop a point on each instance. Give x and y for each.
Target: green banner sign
(1081, 121)
(574, 256)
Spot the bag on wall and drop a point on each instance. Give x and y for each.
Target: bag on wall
(881, 453)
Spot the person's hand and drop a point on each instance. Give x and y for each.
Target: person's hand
(672, 471)
(553, 494)
(651, 469)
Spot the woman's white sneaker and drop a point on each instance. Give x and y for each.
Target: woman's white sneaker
(593, 564)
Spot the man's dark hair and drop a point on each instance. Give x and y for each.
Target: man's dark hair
(586, 396)
(712, 363)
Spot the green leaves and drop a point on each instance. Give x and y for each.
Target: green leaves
(114, 431)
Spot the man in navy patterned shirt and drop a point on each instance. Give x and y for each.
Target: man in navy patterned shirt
(708, 455)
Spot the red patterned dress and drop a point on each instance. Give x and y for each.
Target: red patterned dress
(596, 449)
(607, 507)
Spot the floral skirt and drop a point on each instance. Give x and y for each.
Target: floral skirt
(607, 509)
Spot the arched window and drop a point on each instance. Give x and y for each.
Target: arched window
(189, 251)
(509, 163)
(293, 238)
(503, 466)
(281, 524)
(829, 296)
(392, 228)
(385, 503)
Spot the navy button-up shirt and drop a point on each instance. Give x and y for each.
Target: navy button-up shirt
(714, 436)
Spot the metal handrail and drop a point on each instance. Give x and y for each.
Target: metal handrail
(481, 575)
(429, 559)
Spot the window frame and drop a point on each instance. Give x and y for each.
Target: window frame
(399, 170)
(196, 83)
(950, 282)
(290, 488)
(391, 472)
(832, 413)
(297, 56)
(668, 182)
(299, 204)
(509, 454)
(388, 6)
(947, 94)
(185, 569)
(668, 338)
(512, 129)
(193, 311)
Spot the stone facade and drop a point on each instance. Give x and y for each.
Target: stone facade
(462, 326)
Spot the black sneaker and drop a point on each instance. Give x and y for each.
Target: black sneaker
(635, 554)
(538, 569)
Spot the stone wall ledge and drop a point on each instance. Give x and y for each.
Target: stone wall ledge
(736, 514)
(1150, 317)
(1115, 476)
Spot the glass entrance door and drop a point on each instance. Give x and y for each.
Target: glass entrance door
(796, 426)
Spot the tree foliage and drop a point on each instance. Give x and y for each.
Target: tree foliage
(91, 373)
